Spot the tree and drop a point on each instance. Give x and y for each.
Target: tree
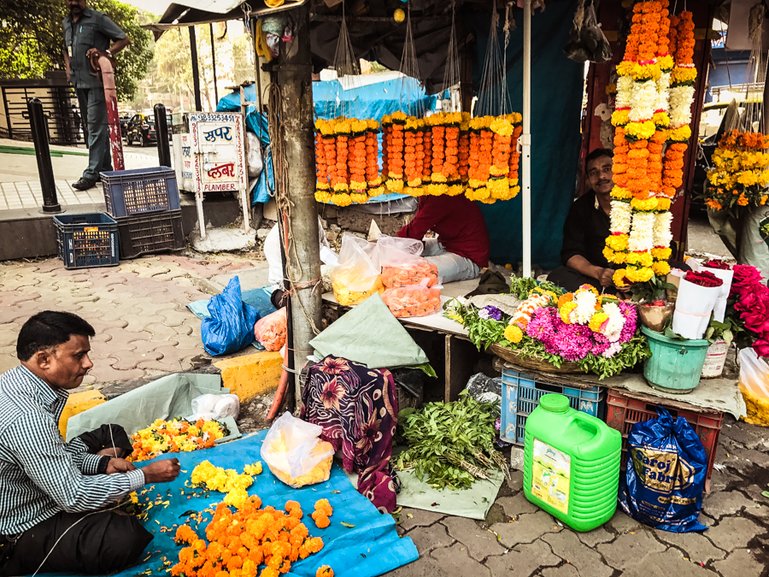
(32, 40)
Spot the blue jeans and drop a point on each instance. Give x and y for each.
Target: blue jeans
(451, 267)
(93, 110)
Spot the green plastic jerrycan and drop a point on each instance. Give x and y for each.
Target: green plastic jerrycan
(571, 464)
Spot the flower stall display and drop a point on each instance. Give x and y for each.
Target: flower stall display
(597, 333)
(494, 158)
(346, 161)
(444, 135)
(697, 295)
(393, 152)
(412, 301)
(174, 436)
(740, 173)
(750, 297)
(248, 541)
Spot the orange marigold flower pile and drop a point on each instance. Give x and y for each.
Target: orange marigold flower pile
(321, 514)
(246, 542)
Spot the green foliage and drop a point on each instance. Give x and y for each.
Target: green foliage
(652, 290)
(522, 286)
(451, 444)
(482, 332)
(32, 40)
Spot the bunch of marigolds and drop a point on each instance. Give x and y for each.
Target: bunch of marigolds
(251, 541)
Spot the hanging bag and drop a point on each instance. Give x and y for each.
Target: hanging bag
(587, 41)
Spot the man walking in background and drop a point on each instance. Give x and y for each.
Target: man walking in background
(86, 32)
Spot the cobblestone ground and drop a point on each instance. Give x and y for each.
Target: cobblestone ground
(144, 330)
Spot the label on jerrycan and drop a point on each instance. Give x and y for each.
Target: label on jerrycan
(551, 475)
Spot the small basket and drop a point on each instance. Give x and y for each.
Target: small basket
(521, 394)
(511, 356)
(140, 191)
(151, 234)
(86, 240)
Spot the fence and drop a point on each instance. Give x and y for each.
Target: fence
(59, 104)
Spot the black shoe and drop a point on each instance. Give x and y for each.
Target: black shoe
(84, 184)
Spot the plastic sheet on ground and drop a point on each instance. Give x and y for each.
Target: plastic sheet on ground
(167, 397)
(371, 547)
(473, 503)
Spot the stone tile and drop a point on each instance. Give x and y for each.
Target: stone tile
(422, 567)
(428, 538)
(411, 518)
(568, 547)
(630, 549)
(596, 536)
(739, 563)
(760, 503)
(480, 542)
(516, 505)
(622, 523)
(525, 529)
(723, 503)
(516, 481)
(733, 533)
(697, 547)
(749, 436)
(444, 562)
(522, 560)
(670, 562)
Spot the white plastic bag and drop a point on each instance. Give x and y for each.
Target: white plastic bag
(726, 275)
(215, 406)
(254, 159)
(693, 307)
(356, 277)
(295, 453)
(754, 386)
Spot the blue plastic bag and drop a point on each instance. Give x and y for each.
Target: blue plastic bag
(230, 324)
(665, 474)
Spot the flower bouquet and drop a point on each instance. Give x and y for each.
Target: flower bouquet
(654, 311)
(582, 331)
(697, 296)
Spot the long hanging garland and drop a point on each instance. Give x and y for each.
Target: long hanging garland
(640, 217)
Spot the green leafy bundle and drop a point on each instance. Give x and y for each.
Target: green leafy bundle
(451, 444)
(521, 287)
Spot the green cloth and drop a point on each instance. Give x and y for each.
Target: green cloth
(371, 335)
(473, 503)
(167, 397)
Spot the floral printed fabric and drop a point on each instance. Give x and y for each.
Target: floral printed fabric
(358, 410)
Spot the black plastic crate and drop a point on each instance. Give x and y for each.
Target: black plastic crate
(150, 234)
(87, 240)
(140, 191)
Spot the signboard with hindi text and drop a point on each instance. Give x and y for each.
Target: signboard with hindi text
(216, 149)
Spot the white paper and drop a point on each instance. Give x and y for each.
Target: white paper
(694, 305)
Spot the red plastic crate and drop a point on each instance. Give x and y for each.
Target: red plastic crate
(623, 412)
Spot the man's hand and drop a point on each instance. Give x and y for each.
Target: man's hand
(118, 465)
(605, 277)
(161, 471)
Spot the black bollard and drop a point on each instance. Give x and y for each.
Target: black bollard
(161, 130)
(39, 128)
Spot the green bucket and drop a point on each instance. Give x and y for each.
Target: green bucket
(675, 365)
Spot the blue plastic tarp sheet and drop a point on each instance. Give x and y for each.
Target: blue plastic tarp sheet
(370, 547)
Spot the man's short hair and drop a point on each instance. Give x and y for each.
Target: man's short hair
(597, 153)
(47, 329)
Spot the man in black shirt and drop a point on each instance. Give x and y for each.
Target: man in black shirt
(586, 229)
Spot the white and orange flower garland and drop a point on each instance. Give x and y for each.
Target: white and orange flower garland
(639, 213)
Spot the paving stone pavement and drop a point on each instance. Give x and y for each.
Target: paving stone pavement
(144, 330)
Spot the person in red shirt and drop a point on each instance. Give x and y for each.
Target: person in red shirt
(461, 248)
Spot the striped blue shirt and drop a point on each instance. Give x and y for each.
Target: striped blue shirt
(40, 474)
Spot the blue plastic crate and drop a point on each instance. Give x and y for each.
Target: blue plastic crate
(140, 191)
(87, 240)
(521, 394)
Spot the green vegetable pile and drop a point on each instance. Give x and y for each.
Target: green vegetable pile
(521, 287)
(450, 445)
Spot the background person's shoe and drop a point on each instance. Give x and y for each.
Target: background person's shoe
(84, 184)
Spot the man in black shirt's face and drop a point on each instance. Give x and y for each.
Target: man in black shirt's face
(599, 176)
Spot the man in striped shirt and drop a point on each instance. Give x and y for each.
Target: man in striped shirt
(57, 499)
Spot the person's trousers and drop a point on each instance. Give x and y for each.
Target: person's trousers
(93, 109)
(451, 266)
(98, 542)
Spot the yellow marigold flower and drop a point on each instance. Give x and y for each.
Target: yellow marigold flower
(513, 333)
(661, 253)
(620, 193)
(597, 321)
(619, 279)
(620, 117)
(661, 268)
(641, 259)
(641, 130)
(565, 311)
(617, 241)
(642, 274)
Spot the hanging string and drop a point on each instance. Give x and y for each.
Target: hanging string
(490, 98)
(346, 65)
(451, 71)
(409, 67)
(506, 107)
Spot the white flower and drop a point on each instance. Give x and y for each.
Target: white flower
(612, 329)
(624, 91)
(643, 100)
(642, 232)
(662, 91)
(662, 233)
(613, 349)
(681, 98)
(620, 216)
(586, 302)
(483, 313)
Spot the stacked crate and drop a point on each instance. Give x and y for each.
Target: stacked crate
(145, 204)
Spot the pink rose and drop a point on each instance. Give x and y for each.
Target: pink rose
(746, 277)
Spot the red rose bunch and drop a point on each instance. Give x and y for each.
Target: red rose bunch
(751, 302)
(716, 263)
(703, 278)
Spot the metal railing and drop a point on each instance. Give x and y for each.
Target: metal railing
(59, 104)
